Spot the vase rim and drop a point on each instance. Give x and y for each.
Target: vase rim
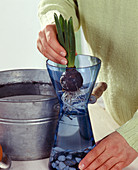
(81, 67)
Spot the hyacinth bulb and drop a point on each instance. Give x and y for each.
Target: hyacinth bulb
(71, 80)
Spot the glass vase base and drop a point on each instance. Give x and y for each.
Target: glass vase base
(67, 160)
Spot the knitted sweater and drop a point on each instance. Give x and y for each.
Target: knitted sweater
(111, 30)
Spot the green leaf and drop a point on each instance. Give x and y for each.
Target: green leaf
(66, 37)
(71, 57)
(59, 30)
(61, 21)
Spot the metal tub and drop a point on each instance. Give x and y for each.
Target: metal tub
(28, 113)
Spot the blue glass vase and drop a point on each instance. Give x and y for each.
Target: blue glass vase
(73, 137)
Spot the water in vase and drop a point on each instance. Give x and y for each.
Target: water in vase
(74, 137)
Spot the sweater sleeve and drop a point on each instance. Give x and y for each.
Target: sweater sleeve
(130, 131)
(67, 8)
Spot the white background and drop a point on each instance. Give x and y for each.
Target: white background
(19, 27)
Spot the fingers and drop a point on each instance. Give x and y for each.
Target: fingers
(100, 160)
(91, 156)
(113, 152)
(104, 162)
(99, 89)
(46, 54)
(108, 164)
(52, 41)
(49, 46)
(118, 166)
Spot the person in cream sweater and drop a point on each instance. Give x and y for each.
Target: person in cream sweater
(111, 31)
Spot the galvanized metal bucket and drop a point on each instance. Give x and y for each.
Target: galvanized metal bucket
(28, 113)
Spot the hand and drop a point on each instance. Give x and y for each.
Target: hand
(49, 46)
(112, 152)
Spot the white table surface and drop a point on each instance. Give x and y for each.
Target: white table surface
(102, 124)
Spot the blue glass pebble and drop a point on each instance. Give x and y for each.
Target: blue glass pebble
(78, 160)
(72, 168)
(69, 157)
(57, 162)
(61, 165)
(53, 165)
(66, 168)
(51, 159)
(61, 158)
